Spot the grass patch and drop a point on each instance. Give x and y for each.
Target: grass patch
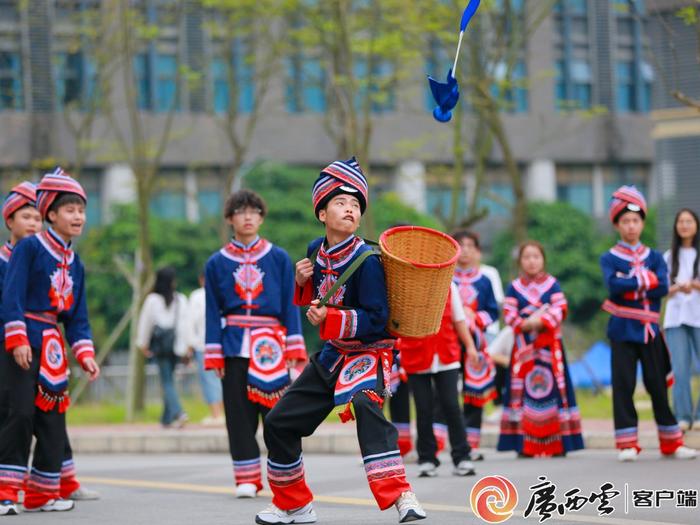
(592, 406)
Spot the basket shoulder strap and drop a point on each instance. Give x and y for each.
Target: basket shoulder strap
(346, 275)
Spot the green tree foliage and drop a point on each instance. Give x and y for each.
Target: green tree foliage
(290, 223)
(573, 244)
(180, 244)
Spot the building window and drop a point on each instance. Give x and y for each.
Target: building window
(166, 83)
(9, 11)
(143, 80)
(625, 86)
(156, 82)
(512, 94)
(439, 202)
(497, 199)
(74, 77)
(169, 198)
(626, 174)
(11, 95)
(633, 75)
(240, 74)
(575, 187)
(574, 79)
(378, 87)
(306, 82)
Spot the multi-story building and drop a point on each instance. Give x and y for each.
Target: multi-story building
(588, 55)
(675, 124)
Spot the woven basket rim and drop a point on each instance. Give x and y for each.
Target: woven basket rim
(390, 231)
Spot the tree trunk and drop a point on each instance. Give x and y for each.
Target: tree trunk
(143, 268)
(516, 180)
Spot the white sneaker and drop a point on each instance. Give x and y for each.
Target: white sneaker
(412, 456)
(684, 452)
(8, 508)
(272, 515)
(476, 455)
(409, 508)
(464, 468)
(684, 425)
(181, 421)
(83, 494)
(628, 454)
(54, 505)
(246, 490)
(427, 470)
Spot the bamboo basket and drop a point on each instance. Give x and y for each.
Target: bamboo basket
(419, 264)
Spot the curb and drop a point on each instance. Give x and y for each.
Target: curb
(325, 441)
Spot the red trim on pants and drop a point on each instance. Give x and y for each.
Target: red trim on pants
(292, 496)
(387, 491)
(69, 484)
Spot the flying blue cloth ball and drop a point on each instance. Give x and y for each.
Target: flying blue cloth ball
(446, 94)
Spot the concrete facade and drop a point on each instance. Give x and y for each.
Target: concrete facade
(575, 156)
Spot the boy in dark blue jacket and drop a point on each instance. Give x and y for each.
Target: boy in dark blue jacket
(637, 279)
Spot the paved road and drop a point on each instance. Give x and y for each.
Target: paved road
(196, 489)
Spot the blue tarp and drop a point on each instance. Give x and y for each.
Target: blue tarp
(593, 369)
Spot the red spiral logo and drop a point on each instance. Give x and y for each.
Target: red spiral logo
(493, 499)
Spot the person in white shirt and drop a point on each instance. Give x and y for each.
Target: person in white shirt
(161, 335)
(211, 385)
(682, 319)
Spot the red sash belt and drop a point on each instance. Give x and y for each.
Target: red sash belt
(43, 317)
(252, 321)
(644, 315)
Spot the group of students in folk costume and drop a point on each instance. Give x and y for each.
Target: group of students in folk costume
(254, 344)
(43, 284)
(540, 416)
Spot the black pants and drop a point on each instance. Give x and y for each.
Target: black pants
(500, 384)
(4, 392)
(448, 396)
(400, 404)
(655, 365)
(242, 419)
(23, 421)
(301, 410)
(472, 422)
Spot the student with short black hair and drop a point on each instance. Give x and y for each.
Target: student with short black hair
(353, 367)
(637, 279)
(44, 285)
(253, 331)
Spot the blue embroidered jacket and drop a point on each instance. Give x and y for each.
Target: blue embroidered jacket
(364, 324)
(526, 296)
(5, 254)
(248, 287)
(476, 293)
(636, 279)
(44, 284)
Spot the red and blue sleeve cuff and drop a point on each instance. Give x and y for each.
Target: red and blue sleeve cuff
(83, 349)
(303, 295)
(213, 357)
(339, 324)
(295, 348)
(15, 335)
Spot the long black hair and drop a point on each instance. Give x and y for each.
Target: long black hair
(677, 242)
(165, 284)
